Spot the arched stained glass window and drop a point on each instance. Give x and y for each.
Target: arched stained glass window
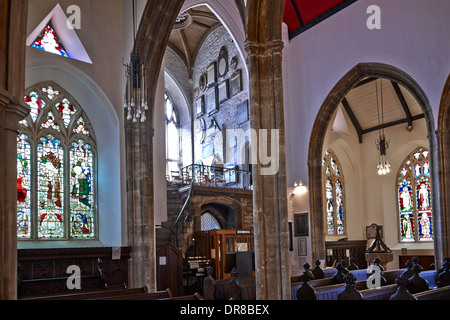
(172, 138)
(334, 194)
(56, 194)
(414, 198)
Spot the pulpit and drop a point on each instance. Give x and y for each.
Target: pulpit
(216, 244)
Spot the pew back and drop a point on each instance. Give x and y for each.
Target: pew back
(435, 294)
(93, 295)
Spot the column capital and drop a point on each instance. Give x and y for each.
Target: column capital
(14, 110)
(258, 49)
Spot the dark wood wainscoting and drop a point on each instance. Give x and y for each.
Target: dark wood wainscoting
(44, 272)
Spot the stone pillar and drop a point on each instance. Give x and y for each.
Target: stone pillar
(269, 191)
(140, 219)
(11, 112)
(13, 16)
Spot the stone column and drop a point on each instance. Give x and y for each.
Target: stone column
(269, 189)
(11, 112)
(13, 16)
(140, 219)
(441, 222)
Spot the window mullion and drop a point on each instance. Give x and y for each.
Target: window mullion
(66, 191)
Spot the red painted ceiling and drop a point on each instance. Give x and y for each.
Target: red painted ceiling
(301, 15)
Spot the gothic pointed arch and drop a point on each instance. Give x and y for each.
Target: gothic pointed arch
(264, 47)
(443, 135)
(329, 107)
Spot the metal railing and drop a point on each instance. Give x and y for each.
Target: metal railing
(214, 176)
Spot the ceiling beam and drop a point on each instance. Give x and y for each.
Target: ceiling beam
(403, 102)
(365, 81)
(355, 121)
(299, 18)
(393, 123)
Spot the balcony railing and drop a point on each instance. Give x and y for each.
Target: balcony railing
(213, 176)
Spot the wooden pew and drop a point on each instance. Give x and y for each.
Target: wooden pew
(195, 296)
(158, 295)
(383, 293)
(248, 289)
(435, 294)
(327, 289)
(92, 295)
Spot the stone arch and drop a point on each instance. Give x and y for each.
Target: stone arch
(348, 82)
(229, 203)
(264, 47)
(443, 136)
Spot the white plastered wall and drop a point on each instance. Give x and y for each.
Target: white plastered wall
(413, 38)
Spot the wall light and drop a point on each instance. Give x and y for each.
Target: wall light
(299, 188)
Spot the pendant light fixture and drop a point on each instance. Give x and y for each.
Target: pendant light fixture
(382, 143)
(135, 101)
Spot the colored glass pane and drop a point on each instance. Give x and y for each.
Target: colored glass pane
(50, 176)
(334, 194)
(66, 111)
(50, 92)
(330, 207)
(414, 198)
(49, 122)
(81, 127)
(48, 41)
(339, 209)
(23, 187)
(82, 219)
(36, 104)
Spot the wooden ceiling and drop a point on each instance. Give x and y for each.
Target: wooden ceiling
(363, 108)
(189, 33)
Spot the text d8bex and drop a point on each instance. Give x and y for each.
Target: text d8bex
(247, 309)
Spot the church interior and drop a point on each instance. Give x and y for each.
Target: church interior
(217, 150)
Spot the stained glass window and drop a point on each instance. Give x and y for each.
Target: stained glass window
(82, 190)
(49, 122)
(23, 187)
(172, 138)
(414, 198)
(48, 41)
(81, 127)
(66, 111)
(50, 176)
(56, 194)
(334, 194)
(36, 104)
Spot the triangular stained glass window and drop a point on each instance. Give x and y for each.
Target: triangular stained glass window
(48, 41)
(49, 123)
(81, 127)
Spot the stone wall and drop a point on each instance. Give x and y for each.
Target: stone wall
(226, 116)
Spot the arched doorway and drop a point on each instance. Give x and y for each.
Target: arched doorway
(343, 87)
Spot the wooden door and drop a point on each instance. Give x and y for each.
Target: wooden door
(169, 270)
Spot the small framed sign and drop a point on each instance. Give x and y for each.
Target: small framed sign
(224, 91)
(200, 106)
(236, 83)
(211, 101)
(211, 74)
(301, 225)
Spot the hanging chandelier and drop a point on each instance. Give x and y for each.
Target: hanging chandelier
(135, 101)
(382, 143)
